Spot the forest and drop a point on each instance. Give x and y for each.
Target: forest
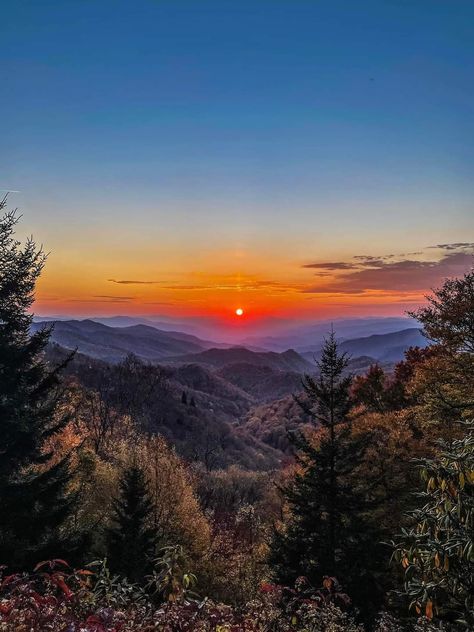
(108, 525)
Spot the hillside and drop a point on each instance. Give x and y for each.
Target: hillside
(261, 382)
(194, 409)
(287, 361)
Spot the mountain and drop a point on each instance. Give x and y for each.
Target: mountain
(386, 347)
(112, 344)
(310, 337)
(287, 361)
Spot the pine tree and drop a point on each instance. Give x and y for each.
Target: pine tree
(131, 541)
(34, 503)
(329, 532)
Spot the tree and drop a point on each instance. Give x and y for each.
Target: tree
(447, 319)
(329, 532)
(34, 499)
(437, 550)
(444, 385)
(131, 539)
(370, 390)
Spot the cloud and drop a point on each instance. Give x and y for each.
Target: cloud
(408, 275)
(95, 300)
(100, 298)
(127, 282)
(336, 265)
(114, 298)
(460, 245)
(244, 284)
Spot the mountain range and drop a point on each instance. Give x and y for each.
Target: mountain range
(113, 344)
(238, 399)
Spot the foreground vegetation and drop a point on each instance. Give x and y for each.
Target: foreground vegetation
(369, 526)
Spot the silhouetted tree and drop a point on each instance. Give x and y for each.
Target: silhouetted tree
(329, 533)
(131, 540)
(34, 503)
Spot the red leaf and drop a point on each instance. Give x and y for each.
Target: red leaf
(60, 583)
(5, 607)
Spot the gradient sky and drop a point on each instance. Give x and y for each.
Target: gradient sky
(189, 158)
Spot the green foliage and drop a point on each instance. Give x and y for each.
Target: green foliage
(437, 551)
(112, 590)
(169, 580)
(34, 503)
(131, 541)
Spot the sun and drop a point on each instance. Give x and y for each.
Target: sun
(239, 311)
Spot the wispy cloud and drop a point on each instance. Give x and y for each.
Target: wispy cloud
(132, 282)
(244, 284)
(336, 265)
(114, 298)
(99, 298)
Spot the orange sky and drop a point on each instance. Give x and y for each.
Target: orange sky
(140, 278)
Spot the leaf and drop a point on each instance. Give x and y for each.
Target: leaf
(429, 609)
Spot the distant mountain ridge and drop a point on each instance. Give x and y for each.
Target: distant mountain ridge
(113, 344)
(389, 347)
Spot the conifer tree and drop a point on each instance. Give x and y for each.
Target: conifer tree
(131, 541)
(329, 531)
(34, 502)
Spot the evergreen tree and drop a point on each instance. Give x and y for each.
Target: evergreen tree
(34, 503)
(329, 532)
(131, 541)
(184, 398)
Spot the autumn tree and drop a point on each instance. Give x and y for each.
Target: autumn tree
(34, 499)
(444, 386)
(370, 390)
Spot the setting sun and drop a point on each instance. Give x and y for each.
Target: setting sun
(239, 311)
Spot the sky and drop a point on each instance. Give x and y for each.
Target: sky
(295, 159)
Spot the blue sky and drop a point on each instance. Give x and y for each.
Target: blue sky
(305, 127)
